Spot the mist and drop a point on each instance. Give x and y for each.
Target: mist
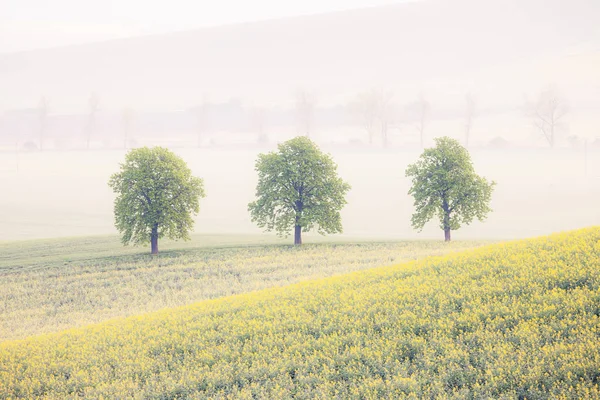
(371, 86)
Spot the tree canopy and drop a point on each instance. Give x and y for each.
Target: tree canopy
(444, 184)
(298, 188)
(157, 197)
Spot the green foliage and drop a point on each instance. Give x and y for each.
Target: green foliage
(298, 186)
(156, 195)
(444, 183)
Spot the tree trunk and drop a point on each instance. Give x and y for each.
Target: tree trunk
(384, 133)
(154, 240)
(298, 235)
(446, 208)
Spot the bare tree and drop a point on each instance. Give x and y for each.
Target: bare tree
(373, 107)
(43, 110)
(419, 112)
(259, 123)
(305, 112)
(127, 122)
(365, 106)
(93, 104)
(202, 118)
(469, 116)
(385, 114)
(548, 114)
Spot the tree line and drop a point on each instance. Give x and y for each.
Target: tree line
(373, 110)
(298, 190)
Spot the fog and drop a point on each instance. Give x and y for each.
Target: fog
(538, 192)
(220, 96)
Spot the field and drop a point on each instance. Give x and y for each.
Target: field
(510, 320)
(50, 285)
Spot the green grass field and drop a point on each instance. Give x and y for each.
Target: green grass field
(517, 320)
(50, 285)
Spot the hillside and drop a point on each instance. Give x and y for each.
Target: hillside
(514, 320)
(405, 46)
(52, 285)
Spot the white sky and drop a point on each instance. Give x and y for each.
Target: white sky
(31, 24)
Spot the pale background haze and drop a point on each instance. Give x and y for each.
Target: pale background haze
(32, 24)
(154, 66)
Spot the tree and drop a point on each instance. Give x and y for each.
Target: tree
(548, 113)
(126, 122)
(202, 118)
(259, 123)
(156, 197)
(305, 112)
(366, 107)
(384, 113)
(43, 110)
(469, 116)
(372, 107)
(423, 107)
(419, 111)
(298, 187)
(444, 183)
(93, 104)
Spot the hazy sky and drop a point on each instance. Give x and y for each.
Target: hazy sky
(30, 24)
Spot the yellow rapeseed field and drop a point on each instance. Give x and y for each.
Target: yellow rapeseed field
(515, 320)
(44, 294)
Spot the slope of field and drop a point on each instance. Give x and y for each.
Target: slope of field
(50, 285)
(517, 320)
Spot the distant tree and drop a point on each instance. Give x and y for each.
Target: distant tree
(156, 197)
(444, 183)
(548, 114)
(93, 104)
(373, 107)
(384, 114)
(469, 116)
(298, 188)
(202, 115)
(305, 112)
(418, 111)
(126, 121)
(423, 108)
(366, 107)
(259, 123)
(43, 110)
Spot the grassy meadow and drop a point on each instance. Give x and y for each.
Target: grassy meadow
(506, 321)
(55, 284)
